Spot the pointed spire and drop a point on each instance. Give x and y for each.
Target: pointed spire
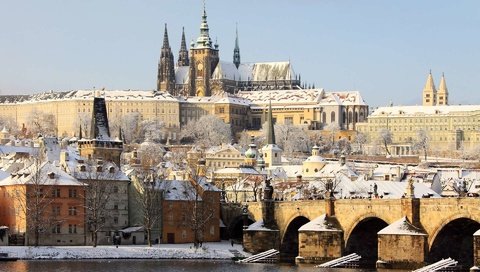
(80, 134)
(430, 85)
(120, 136)
(204, 39)
(236, 51)
(183, 54)
(270, 127)
(443, 85)
(166, 44)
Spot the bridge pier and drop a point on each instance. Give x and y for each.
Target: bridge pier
(476, 251)
(397, 242)
(320, 240)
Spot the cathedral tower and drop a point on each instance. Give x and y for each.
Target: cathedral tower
(442, 94)
(272, 152)
(236, 51)
(429, 92)
(166, 68)
(183, 54)
(203, 60)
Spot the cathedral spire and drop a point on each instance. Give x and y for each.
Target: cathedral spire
(270, 128)
(204, 39)
(430, 85)
(183, 54)
(166, 69)
(236, 51)
(442, 93)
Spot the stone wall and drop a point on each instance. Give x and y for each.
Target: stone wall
(402, 251)
(256, 241)
(319, 246)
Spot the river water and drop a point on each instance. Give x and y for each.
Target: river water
(153, 265)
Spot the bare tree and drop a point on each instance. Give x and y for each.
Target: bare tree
(35, 199)
(291, 138)
(128, 123)
(343, 146)
(421, 143)
(385, 136)
(83, 121)
(150, 153)
(150, 130)
(198, 205)
(208, 131)
(150, 198)
(97, 195)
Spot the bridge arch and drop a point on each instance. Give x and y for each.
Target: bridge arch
(289, 243)
(363, 239)
(454, 239)
(348, 229)
(235, 228)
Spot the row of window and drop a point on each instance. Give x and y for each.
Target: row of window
(57, 229)
(72, 210)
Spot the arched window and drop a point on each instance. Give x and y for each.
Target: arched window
(332, 117)
(324, 117)
(350, 117)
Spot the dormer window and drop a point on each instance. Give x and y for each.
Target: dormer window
(51, 175)
(99, 168)
(83, 168)
(111, 169)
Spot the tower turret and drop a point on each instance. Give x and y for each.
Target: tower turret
(183, 54)
(442, 93)
(429, 92)
(166, 68)
(203, 60)
(236, 50)
(272, 153)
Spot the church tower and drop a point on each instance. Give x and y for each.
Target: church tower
(429, 92)
(442, 94)
(166, 68)
(272, 153)
(183, 54)
(236, 51)
(203, 60)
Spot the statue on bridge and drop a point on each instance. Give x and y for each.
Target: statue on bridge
(268, 190)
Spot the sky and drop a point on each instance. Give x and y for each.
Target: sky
(384, 49)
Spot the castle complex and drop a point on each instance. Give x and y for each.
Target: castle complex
(198, 84)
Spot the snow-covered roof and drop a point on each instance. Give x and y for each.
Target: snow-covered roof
(320, 223)
(261, 71)
(178, 190)
(277, 97)
(237, 170)
(27, 176)
(422, 110)
(258, 226)
(182, 74)
(226, 70)
(9, 149)
(401, 227)
(349, 98)
(132, 229)
(90, 94)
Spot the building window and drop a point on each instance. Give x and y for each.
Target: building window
(115, 189)
(332, 117)
(72, 210)
(56, 210)
(56, 192)
(72, 193)
(72, 228)
(57, 228)
(115, 220)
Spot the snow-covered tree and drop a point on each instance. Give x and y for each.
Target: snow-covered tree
(385, 137)
(151, 130)
(360, 140)
(208, 131)
(83, 120)
(128, 123)
(333, 128)
(421, 142)
(343, 146)
(291, 138)
(39, 122)
(150, 153)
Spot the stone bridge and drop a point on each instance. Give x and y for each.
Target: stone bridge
(395, 233)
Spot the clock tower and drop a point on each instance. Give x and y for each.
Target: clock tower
(203, 60)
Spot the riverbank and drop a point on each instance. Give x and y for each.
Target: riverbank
(219, 250)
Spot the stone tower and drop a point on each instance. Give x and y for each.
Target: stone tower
(236, 50)
(442, 93)
(429, 92)
(166, 68)
(203, 60)
(183, 54)
(99, 144)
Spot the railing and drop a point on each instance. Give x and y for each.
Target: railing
(268, 256)
(342, 261)
(440, 265)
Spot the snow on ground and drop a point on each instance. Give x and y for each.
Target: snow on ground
(217, 250)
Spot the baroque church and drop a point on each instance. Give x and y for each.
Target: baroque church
(200, 72)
